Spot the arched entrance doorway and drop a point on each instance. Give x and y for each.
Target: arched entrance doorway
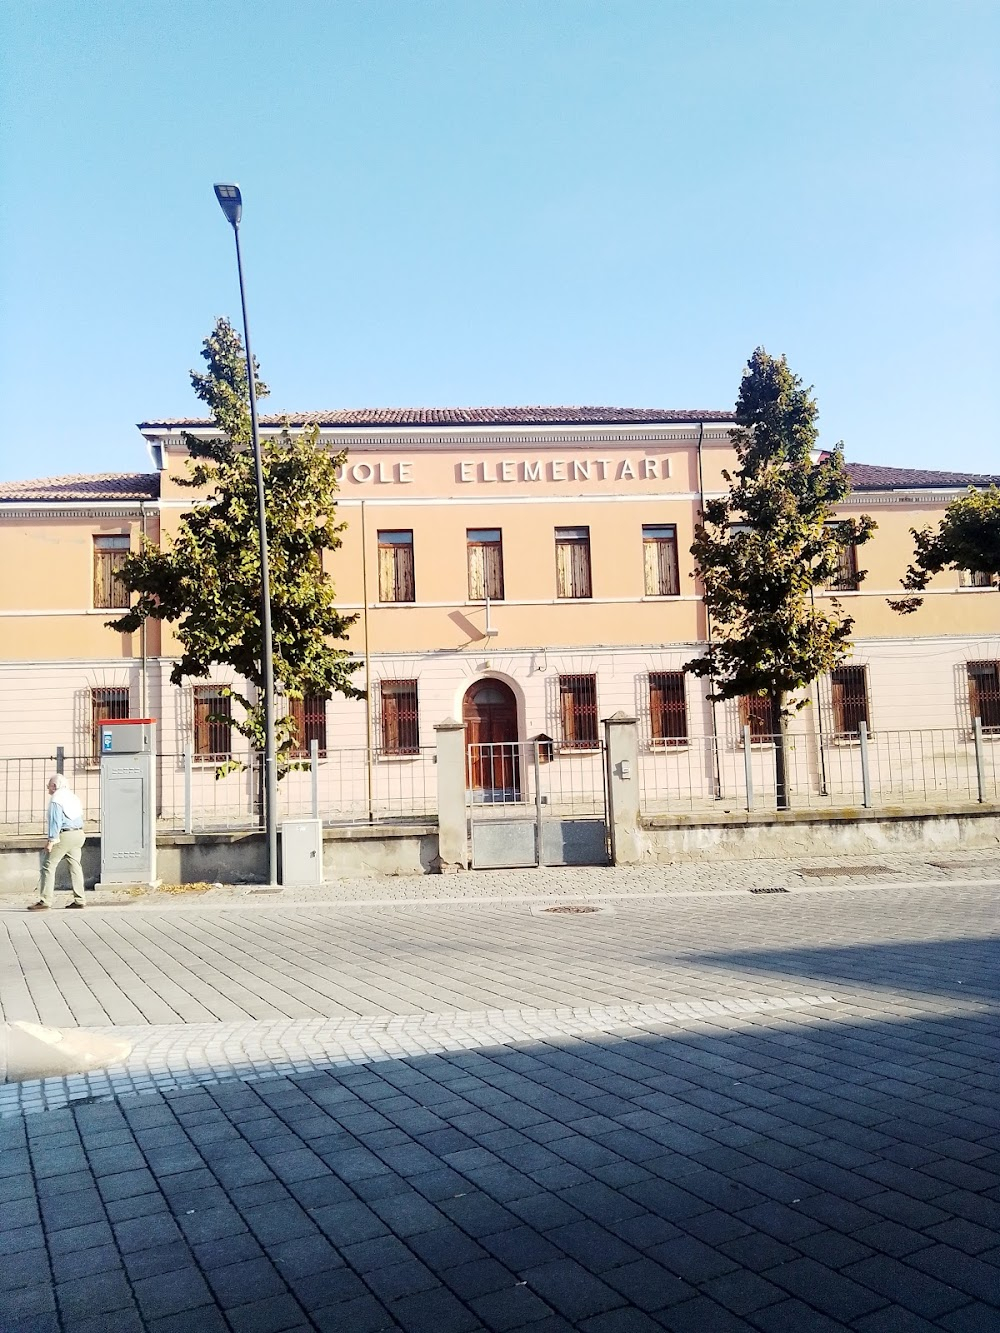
(489, 711)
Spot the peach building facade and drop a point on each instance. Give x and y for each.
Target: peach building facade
(525, 570)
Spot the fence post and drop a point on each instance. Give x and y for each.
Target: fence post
(540, 849)
(622, 757)
(61, 761)
(866, 777)
(977, 736)
(314, 775)
(188, 775)
(748, 766)
(453, 836)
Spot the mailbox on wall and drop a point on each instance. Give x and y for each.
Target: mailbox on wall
(128, 801)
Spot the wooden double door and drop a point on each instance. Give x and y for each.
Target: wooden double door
(493, 770)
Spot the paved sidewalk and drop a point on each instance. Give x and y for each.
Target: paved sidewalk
(715, 1112)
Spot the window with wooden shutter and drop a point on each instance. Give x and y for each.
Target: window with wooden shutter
(667, 708)
(755, 713)
(573, 562)
(849, 694)
(108, 703)
(984, 693)
(975, 578)
(309, 718)
(659, 554)
(485, 549)
(110, 553)
(578, 710)
(395, 566)
(213, 711)
(400, 721)
(845, 578)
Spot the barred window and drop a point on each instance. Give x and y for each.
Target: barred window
(309, 718)
(108, 703)
(845, 578)
(213, 711)
(849, 690)
(110, 553)
(578, 709)
(573, 562)
(659, 554)
(755, 713)
(975, 578)
(485, 548)
(667, 708)
(984, 693)
(395, 566)
(400, 719)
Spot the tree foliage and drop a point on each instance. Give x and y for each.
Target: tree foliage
(763, 549)
(207, 582)
(968, 537)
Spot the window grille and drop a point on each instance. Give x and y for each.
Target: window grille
(984, 693)
(309, 717)
(975, 578)
(395, 566)
(108, 703)
(110, 553)
(659, 553)
(213, 711)
(849, 690)
(485, 564)
(578, 709)
(573, 562)
(755, 713)
(667, 708)
(400, 720)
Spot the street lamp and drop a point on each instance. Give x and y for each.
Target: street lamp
(231, 203)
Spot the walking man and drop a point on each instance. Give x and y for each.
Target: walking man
(66, 839)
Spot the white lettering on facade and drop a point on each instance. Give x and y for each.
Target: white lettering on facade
(488, 471)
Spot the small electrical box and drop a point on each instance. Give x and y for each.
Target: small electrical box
(127, 735)
(302, 851)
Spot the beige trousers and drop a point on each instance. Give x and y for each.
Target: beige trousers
(70, 846)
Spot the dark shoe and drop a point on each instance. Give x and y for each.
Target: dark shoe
(38, 907)
(74, 903)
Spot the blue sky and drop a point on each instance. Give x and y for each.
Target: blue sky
(479, 202)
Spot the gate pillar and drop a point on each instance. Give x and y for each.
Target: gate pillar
(622, 756)
(453, 836)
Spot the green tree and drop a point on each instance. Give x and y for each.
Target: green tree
(763, 549)
(968, 537)
(207, 582)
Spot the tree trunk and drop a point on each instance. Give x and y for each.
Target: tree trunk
(781, 788)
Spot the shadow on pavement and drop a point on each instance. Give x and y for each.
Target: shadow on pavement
(799, 1172)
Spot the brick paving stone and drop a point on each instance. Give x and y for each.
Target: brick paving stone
(271, 1314)
(794, 1316)
(829, 1292)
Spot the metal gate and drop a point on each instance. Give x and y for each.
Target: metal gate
(532, 803)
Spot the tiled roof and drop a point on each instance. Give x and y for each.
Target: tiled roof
(84, 486)
(872, 477)
(460, 416)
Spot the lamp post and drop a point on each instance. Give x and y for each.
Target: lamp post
(231, 203)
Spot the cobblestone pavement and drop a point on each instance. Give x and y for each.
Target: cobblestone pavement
(714, 1112)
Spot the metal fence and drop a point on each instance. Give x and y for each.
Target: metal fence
(339, 787)
(879, 770)
(558, 780)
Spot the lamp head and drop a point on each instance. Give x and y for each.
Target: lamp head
(231, 202)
